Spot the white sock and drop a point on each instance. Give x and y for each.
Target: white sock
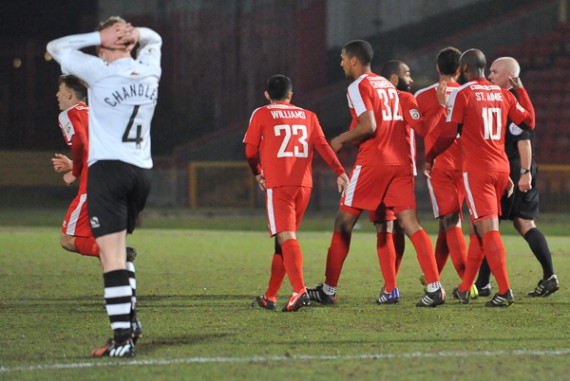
(329, 290)
(431, 287)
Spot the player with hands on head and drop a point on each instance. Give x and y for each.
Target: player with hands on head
(122, 95)
(280, 143)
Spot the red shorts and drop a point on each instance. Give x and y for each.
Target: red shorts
(76, 222)
(379, 215)
(373, 185)
(484, 191)
(285, 208)
(446, 191)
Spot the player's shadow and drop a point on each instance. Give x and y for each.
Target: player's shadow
(167, 298)
(149, 345)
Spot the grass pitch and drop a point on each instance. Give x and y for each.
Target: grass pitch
(195, 292)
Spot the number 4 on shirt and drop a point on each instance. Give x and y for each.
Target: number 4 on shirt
(138, 138)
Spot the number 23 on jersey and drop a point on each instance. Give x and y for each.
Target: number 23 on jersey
(294, 143)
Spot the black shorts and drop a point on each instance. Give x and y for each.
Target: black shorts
(116, 194)
(521, 205)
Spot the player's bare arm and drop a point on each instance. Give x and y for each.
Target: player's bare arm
(525, 153)
(61, 163)
(261, 181)
(69, 178)
(363, 130)
(342, 182)
(510, 189)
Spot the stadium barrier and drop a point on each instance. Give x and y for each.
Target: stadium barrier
(221, 184)
(27, 178)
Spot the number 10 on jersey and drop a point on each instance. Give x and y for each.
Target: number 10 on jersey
(492, 123)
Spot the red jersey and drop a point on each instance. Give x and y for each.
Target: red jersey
(412, 118)
(74, 124)
(388, 145)
(482, 109)
(287, 136)
(450, 159)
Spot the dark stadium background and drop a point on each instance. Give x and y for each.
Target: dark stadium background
(217, 55)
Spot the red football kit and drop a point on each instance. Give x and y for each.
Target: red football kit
(282, 138)
(285, 137)
(446, 184)
(382, 177)
(382, 171)
(74, 126)
(482, 109)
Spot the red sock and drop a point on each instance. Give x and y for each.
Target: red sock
(441, 251)
(424, 252)
(293, 261)
(400, 246)
(497, 259)
(338, 251)
(475, 256)
(457, 249)
(387, 259)
(276, 278)
(87, 246)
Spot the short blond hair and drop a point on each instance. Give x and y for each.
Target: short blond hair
(110, 22)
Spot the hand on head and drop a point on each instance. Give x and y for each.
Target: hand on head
(515, 82)
(120, 37)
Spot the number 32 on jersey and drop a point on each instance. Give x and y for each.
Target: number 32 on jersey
(294, 138)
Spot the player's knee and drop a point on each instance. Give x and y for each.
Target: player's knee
(344, 222)
(450, 221)
(285, 236)
(523, 226)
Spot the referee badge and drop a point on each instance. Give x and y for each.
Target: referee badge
(515, 130)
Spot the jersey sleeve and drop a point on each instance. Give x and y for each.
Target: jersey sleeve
(66, 51)
(252, 157)
(78, 152)
(421, 122)
(324, 149)
(78, 142)
(359, 98)
(522, 112)
(149, 52)
(456, 106)
(253, 133)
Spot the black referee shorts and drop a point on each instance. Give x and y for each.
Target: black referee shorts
(116, 194)
(521, 205)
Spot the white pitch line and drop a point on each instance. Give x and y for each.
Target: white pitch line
(206, 360)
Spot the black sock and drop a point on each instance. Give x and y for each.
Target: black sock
(484, 277)
(118, 295)
(539, 247)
